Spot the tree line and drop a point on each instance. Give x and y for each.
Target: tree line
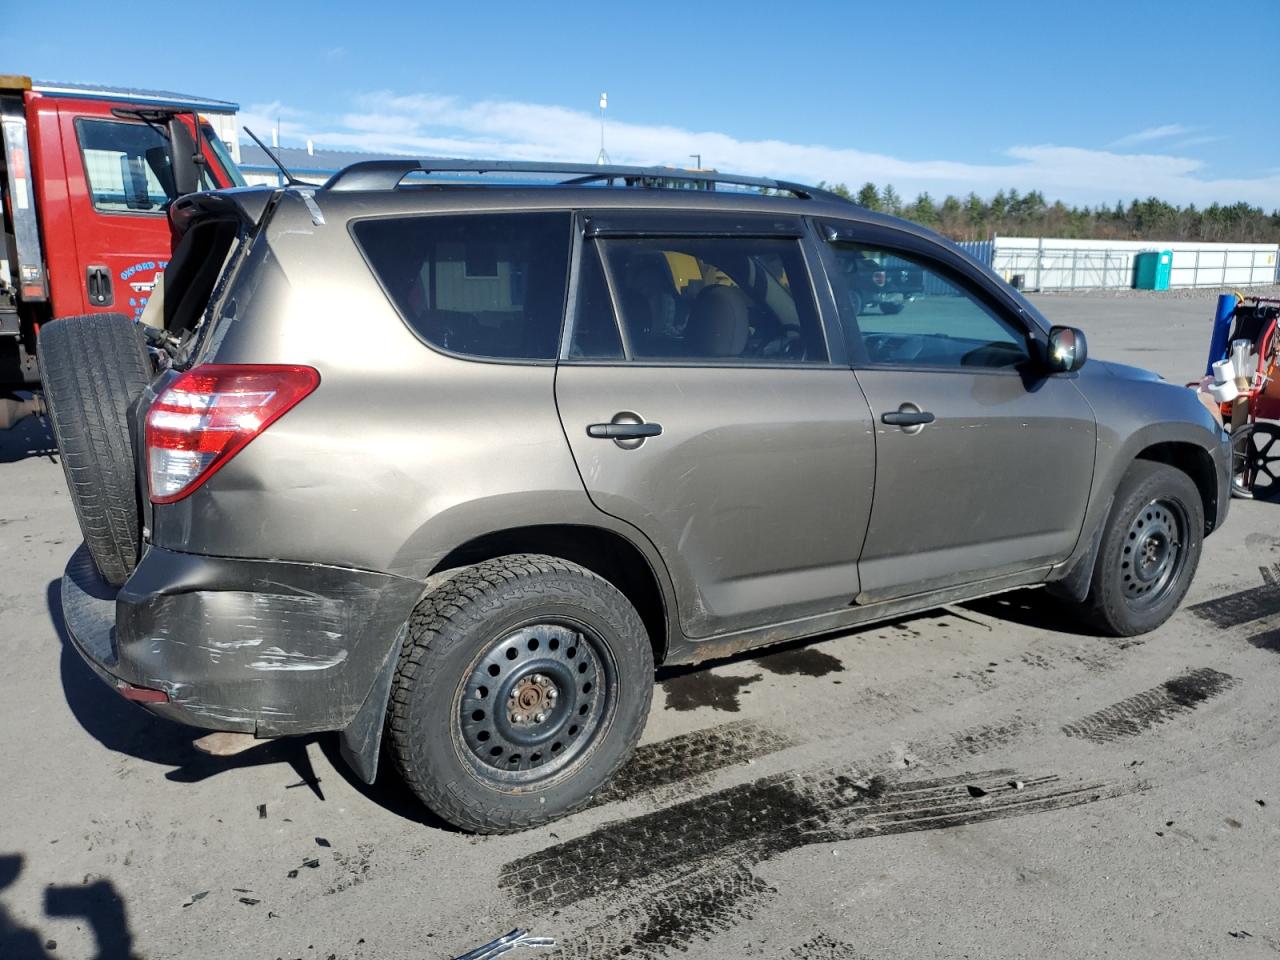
(1011, 213)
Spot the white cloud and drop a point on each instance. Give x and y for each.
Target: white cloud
(1152, 133)
(437, 125)
(262, 117)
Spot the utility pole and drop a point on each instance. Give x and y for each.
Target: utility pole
(602, 157)
(697, 160)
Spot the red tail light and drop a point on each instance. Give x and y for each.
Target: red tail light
(879, 278)
(208, 415)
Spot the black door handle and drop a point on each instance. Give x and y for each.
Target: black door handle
(906, 418)
(624, 431)
(98, 283)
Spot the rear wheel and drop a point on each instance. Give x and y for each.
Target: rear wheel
(92, 369)
(524, 682)
(1149, 552)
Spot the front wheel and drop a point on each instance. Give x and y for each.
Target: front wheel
(1149, 552)
(523, 684)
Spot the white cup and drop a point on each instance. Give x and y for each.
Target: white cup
(1223, 371)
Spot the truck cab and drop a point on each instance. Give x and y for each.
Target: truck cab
(86, 177)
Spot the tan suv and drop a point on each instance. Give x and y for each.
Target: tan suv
(460, 461)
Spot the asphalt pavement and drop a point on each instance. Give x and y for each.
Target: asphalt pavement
(986, 780)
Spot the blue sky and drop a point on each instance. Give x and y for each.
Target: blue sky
(1090, 102)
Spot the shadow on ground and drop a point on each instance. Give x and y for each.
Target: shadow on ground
(97, 904)
(29, 437)
(1035, 608)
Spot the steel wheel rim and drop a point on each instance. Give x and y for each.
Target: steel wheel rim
(535, 701)
(1154, 553)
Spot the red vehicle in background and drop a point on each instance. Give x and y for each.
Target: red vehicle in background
(86, 178)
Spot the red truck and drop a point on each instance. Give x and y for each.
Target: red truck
(86, 178)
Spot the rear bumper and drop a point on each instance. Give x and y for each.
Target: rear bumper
(263, 647)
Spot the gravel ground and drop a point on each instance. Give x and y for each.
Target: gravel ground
(982, 781)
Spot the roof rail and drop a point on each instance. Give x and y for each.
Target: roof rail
(387, 175)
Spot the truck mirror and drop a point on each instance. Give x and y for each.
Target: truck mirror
(182, 157)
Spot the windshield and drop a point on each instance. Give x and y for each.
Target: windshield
(224, 156)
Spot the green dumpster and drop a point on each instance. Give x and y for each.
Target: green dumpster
(1151, 269)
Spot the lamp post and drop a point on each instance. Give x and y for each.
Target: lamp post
(602, 157)
(697, 160)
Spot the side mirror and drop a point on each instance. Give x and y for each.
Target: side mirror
(1068, 349)
(182, 157)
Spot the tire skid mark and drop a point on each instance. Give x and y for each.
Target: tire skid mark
(711, 900)
(655, 883)
(1162, 703)
(1243, 606)
(971, 741)
(823, 947)
(689, 757)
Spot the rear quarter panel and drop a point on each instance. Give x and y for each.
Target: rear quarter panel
(401, 454)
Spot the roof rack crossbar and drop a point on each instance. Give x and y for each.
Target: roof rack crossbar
(387, 175)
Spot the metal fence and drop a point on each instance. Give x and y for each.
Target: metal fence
(1048, 267)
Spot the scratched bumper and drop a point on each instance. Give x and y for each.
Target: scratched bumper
(253, 646)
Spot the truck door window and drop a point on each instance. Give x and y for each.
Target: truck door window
(127, 166)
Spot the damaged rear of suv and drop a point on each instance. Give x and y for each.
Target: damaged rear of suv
(458, 464)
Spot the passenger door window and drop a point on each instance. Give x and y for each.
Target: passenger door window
(128, 166)
(906, 311)
(697, 300)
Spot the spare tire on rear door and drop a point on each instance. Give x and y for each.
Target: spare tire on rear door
(92, 368)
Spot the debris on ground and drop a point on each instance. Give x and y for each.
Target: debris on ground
(322, 842)
(975, 792)
(504, 943)
(262, 811)
(250, 901)
(1017, 784)
(196, 897)
(872, 788)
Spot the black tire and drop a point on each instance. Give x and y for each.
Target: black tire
(515, 619)
(1149, 551)
(92, 369)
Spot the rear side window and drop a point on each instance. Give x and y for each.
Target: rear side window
(482, 285)
(700, 300)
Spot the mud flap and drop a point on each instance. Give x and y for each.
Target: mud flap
(1074, 584)
(360, 742)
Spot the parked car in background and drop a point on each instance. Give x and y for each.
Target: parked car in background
(889, 283)
(457, 465)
